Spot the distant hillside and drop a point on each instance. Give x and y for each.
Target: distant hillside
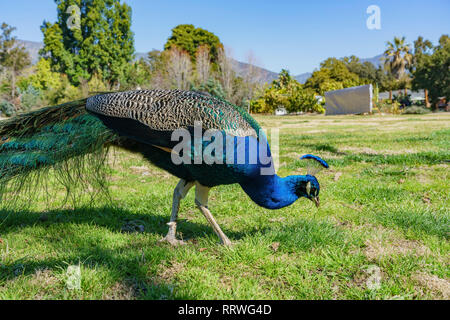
(33, 49)
(303, 77)
(376, 61)
(266, 76)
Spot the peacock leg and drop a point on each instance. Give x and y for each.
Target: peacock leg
(201, 200)
(179, 193)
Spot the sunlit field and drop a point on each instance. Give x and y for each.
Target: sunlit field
(382, 231)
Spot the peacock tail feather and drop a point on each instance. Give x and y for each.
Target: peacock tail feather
(63, 139)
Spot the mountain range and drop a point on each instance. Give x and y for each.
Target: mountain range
(265, 76)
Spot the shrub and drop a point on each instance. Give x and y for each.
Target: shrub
(212, 87)
(403, 100)
(386, 107)
(416, 110)
(7, 108)
(30, 97)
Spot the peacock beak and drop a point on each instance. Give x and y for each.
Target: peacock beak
(316, 201)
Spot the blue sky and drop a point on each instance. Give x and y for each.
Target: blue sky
(296, 35)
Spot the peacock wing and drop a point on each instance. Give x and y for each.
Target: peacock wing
(163, 111)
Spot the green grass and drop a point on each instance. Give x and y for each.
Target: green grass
(384, 203)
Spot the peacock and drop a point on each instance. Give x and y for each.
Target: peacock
(173, 129)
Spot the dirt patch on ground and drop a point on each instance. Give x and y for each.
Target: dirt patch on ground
(433, 283)
(169, 273)
(44, 278)
(47, 283)
(120, 291)
(377, 249)
(368, 278)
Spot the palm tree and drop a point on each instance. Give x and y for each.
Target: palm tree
(397, 59)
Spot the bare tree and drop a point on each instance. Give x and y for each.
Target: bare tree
(252, 77)
(179, 68)
(248, 82)
(13, 57)
(157, 61)
(226, 74)
(203, 63)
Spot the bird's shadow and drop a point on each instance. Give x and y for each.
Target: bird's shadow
(93, 252)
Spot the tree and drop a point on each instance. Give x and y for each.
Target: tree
(179, 68)
(366, 71)
(432, 71)
(189, 38)
(243, 86)
(368, 74)
(203, 64)
(398, 57)
(288, 93)
(101, 41)
(157, 62)
(421, 46)
(43, 78)
(12, 57)
(251, 79)
(226, 73)
(137, 76)
(54, 87)
(213, 87)
(332, 75)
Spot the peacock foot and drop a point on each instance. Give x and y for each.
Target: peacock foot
(173, 241)
(226, 242)
(170, 237)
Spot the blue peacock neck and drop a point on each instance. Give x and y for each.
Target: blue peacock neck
(274, 192)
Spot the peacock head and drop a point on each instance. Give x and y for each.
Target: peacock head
(308, 186)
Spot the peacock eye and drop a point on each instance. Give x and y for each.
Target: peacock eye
(308, 188)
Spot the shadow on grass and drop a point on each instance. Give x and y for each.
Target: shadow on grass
(108, 217)
(122, 259)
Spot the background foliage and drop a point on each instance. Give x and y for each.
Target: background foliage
(99, 55)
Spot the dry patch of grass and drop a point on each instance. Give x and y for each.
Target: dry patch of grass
(382, 242)
(170, 273)
(376, 249)
(434, 284)
(120, 291)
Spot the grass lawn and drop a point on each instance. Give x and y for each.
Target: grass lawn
(384, 214)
